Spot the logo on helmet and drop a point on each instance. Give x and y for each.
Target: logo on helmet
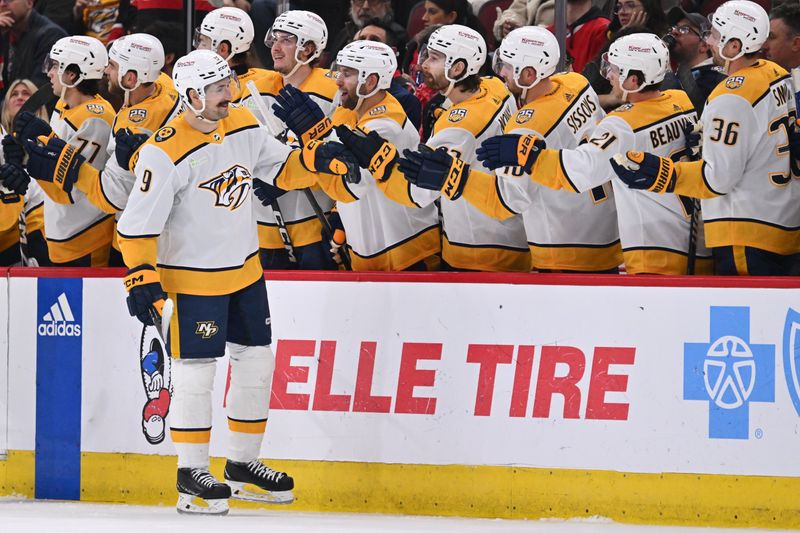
(745, 16)
(138, 46)
(532, 41)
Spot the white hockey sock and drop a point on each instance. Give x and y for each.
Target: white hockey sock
(248, 399)
(190, 412)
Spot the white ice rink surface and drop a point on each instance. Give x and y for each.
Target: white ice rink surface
(23, 516)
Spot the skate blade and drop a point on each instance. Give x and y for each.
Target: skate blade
(251, 493)
(189, 504)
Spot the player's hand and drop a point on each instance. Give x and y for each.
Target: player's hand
(14, 178)
(265, 192)
(338, 238)
(145, 295)
(693, 138)
(301, 114)
(510, 151)
(12, 150)
(640, 170)
(28, 126)
(56, 161)
(372, 151)
(794, 145)
(436, 170)
(127, 143)
(331, 158)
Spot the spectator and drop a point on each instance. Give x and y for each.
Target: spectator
(783, 43)
(59, 12)
(450, 12)
(696, 70)
(362, 12)
(378, 31)
(25, 42)
(18, 93)
(586, 32)
(645, 13)
(523, 13)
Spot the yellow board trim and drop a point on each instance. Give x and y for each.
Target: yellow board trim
(454, 490)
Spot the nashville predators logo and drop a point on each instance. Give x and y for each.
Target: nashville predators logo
(207, 329)
(232, 187)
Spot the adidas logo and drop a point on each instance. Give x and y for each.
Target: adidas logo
(59, 321)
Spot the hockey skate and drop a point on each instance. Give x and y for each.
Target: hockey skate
(256, 482)
(200, 493)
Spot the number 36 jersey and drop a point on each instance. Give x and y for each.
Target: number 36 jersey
(750, 195)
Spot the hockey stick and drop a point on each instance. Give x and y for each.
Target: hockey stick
(326, 226)
(694, 221)
(276, 208)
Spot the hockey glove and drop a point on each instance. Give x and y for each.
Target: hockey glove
(372, 151)
(301, 114)
(510, 151)
(145, 295)
(265, 192)
(127, 145)
(693, 138)
(12, 150)
(338, 238)
(331, 158)
(435, 170)
(57, 162)
(28, 126)
(640, 170)
(14, 178)
(794, 145)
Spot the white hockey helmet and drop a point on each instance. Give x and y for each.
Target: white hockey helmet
(642, 52)
(138, 52)
(457, 42)
(197, 70)
(529, 46)
(308, 27)
(369, 57)
(742, 20)
(227, 24)
(86, 53)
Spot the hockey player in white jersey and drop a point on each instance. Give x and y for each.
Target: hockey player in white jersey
(566, 232)
(296, 40)
(654, 230)
(78, 233)
(189, 233)
(150, 101)
(381, 233)
(478, 108)
(745, 177)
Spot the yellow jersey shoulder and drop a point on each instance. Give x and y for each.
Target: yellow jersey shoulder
(750, 83)
(269, 83)
(320, 83)
(544, 113)
(476, 112)
(151, 113)
(644, 114)
(96, 107)
(252, 74)
(388, 108)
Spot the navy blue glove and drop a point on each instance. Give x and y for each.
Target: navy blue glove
(57, 162)
(301, 114)
(12, 150)
(265, 192)
(331, 158)
(145, 295)
(127, 144)
(644, 171)
(14, 178)
(28, 126)
(510, 151)
(435, 170)
(372, 151)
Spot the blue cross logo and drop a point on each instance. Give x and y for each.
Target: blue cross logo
(729, 372)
